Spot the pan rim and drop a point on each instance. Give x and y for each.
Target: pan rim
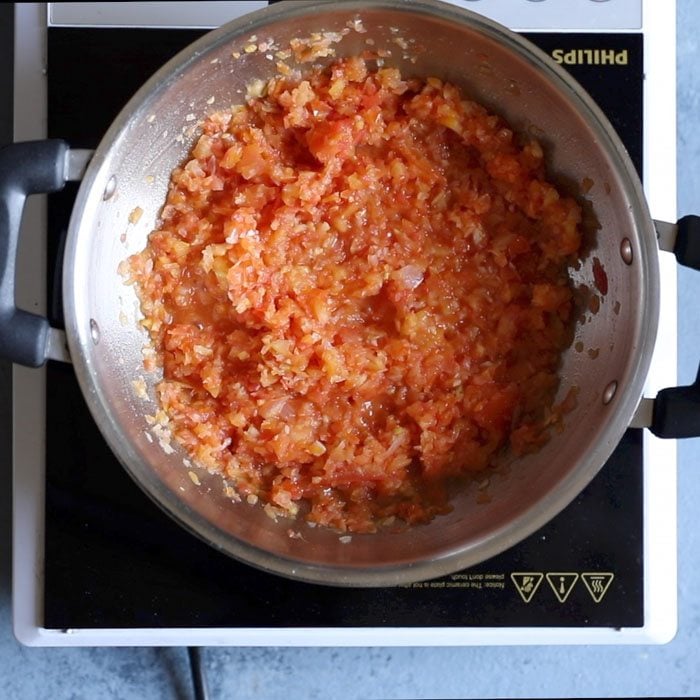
(499, 539)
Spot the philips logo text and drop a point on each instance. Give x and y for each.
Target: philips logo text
(591, 57)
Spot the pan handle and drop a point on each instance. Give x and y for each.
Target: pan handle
(676, 410)
(26, 168)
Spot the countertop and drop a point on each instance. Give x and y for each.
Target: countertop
(345, 673)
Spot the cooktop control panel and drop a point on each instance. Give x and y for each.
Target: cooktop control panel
(562, 15)
(554, 14)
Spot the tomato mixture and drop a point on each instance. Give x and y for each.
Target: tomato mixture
(358, 291)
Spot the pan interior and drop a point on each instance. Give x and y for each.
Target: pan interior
(611, 349)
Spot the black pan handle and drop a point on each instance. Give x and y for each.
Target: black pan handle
(30, 167)
(676, 411)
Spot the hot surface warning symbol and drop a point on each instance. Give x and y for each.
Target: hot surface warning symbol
(562, 584)
(597, 584)
(527, 583)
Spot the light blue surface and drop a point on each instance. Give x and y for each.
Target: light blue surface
(482, 672)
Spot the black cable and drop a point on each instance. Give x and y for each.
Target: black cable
(199, 678)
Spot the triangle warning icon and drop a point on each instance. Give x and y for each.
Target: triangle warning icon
(562, 583)
(597, 583)
(526, 583)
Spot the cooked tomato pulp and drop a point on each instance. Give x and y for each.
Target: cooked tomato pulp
(358, 289)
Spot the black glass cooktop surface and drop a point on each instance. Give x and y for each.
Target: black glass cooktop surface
(114, 560)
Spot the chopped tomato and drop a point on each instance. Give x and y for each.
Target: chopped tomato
(358, 291)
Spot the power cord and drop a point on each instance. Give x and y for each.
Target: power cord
(199, 678)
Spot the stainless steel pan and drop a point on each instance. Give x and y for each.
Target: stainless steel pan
(131, 169)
